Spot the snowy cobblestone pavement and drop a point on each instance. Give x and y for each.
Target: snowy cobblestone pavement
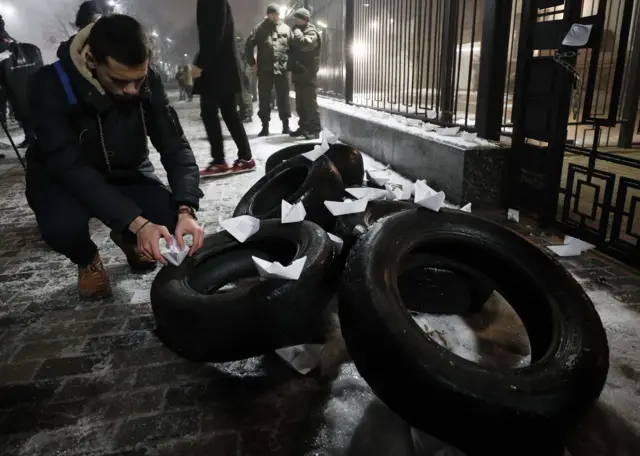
(91, 379)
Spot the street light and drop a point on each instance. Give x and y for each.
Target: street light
(284, 10)
(169, 40)
(321, 24)
(8, 11)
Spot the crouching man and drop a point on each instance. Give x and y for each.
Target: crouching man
(93, 111)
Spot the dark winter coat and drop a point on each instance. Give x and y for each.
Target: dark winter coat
(15, 71)
(217, 56)
(85, 147)
(304, 56)
(272, 40)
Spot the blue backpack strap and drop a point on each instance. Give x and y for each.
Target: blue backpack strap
(66, 83)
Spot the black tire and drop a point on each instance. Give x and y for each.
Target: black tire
(455, 400)
(203, 326)
(351, 227)
(347, 159)
(295, 180)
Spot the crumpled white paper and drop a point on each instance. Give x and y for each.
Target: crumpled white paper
(449, 131)
(398, 192)
(174, 254)
(303, 358)
(427, 197)
(467, 136)
(275, 270)
(242, 227)
(346, 207)
(466, 208)
(292, 213)
(578, 35)
(4, 55)
(317, 151)
(367, 192)
(337, 242)
(379, 176)
(571, 247)
(513, 215)
(329, 137)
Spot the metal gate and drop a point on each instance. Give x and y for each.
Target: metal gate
(568, 99)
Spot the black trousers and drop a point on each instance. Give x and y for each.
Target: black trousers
(266, 84)
(64, 222)
(227, 106)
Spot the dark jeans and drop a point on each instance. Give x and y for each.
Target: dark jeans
(227, 107)
(306, 87)
(64, 222)
(266, 83)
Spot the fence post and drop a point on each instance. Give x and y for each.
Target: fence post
(494, 56)
(448, 60)
(632, 90)
(349, 17)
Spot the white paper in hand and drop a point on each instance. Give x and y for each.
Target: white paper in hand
(329, 137)
(338, 243)
(275, 270)
(317, 151)
(303, 358)
(367, 192)
(292, 213)
(174, 254)
(466, 208)
(347, 207)
(571, 247)
(241, 228)
(398, 192)
(427, 197)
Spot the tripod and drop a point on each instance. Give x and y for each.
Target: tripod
(6, 132)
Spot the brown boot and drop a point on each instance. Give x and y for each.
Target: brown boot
(93, 281)
(137, 261)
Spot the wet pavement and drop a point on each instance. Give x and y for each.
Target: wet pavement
(91, 379)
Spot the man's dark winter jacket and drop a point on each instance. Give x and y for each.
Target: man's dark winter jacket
(70, 151)
(304, 56)
(217, 57)
(272, 40)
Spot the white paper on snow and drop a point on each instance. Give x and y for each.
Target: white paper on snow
(317, 151)
(174, 254)
(337, 242)
(367, 192)
(329, 137)
(449, 131)
(578, 35)
(513, 215)
(427, 197)
(241, 228)
(469, 136)
(292, 213)
(275, 270)
(466, 208)
(346, 207)
(571, 247)
(303, 358)
(398, 192)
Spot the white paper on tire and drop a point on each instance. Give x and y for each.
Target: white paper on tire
(427, 197)
(513, 215)
(368, 192)
(337, 242)
(303, 358)
(466, 208)
(292, 213)
(174, 254)
(329, 137)
(379, 177)
(571, 247)
(346, 207)
(242, 227)
(317, 151)
(275, 270)
(398, 192)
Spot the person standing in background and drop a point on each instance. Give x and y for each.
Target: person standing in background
(218, 85)
(272, 38)
(88, 13)
(245, 103)
(304, 63)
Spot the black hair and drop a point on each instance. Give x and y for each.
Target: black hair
(120, 37)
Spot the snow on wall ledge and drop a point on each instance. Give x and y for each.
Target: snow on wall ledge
(451, 136)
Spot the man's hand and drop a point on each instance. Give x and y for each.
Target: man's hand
(149, 235)
(196, 72)
(297, 32)
(254, 67)
(189, 225)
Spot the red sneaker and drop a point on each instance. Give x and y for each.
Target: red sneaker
(242, 166)
(215, 170)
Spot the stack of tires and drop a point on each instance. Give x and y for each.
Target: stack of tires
(396, 258)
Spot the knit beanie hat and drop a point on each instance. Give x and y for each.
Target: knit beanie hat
(302, 13)
(85, 12)
(273, 8)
